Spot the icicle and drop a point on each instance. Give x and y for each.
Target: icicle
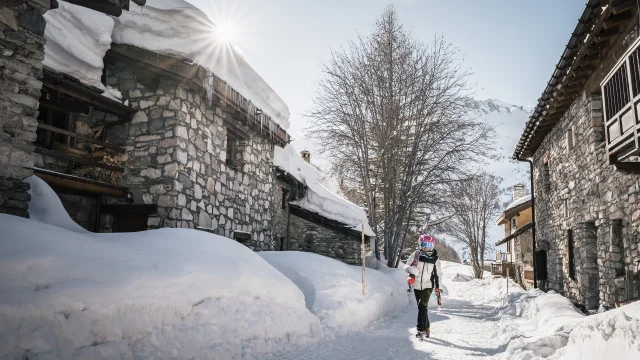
(209, 87)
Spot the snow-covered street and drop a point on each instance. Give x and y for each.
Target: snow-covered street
(464, 329)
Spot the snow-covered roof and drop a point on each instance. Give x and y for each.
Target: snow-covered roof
(513, 205)
(78, 38)
(318, 198)
(518, 202)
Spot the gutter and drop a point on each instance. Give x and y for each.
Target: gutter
(533, 219)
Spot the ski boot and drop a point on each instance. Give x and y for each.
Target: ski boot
(421, 334)
(427, 333)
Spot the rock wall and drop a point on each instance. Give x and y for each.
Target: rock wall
(307, 236)
(21, 55)
(176, 158)
(581, 180)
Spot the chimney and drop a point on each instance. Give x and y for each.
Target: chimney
(519, 190)
(306, 155)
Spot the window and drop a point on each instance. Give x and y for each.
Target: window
(570, 139)
(570, 255)
(514, 224)
(509, 246)
(284, 197)
(546, 181)
(56, 119)
(232, 150)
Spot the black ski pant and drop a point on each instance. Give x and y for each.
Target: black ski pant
(422, 298)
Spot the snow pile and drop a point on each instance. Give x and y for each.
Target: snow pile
(610, 335)
(168, 293)
(538, 325)
(45, 206)
(333, 289)
(318, 198)
(77, 40)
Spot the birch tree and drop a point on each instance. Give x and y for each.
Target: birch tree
(476, 202)
(390, 111)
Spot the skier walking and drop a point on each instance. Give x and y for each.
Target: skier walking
(424, 271)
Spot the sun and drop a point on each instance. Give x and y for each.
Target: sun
(227, 32)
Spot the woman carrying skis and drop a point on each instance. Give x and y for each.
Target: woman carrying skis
(424, 271)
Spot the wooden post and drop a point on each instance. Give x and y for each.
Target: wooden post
(507, 280)
(362, 258)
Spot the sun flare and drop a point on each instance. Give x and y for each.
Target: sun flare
(227, 33)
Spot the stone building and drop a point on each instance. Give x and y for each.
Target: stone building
(516, 219)
(583, 141)
(147, 139)
(133, 137)
(312, 218)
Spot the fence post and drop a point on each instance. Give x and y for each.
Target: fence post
(507, 280)
(362, 256)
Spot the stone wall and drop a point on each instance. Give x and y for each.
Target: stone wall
(21, 55)
(594, 193)
(176, 152)
(81, 209)
(307, 236)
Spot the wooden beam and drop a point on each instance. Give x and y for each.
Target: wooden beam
(109, 7)
(130, 209)
(616, 19)
(76, 159)
(606, 34)
(64, 105)
(71, 184)
(82, 137)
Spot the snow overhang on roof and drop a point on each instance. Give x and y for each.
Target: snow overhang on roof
(318, 199)
(588, 45)
(514, 208)
(78, 38)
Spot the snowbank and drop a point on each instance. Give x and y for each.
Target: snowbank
(538, 325)
(45, 206)
(318, 198)
(333, 289)
(77, 39)
(168, 293)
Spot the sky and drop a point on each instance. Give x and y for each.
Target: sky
(510, 46)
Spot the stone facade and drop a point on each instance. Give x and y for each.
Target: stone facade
(21, 55)
(297, 234)
(586, 195)
(307, 236)
(176, 158)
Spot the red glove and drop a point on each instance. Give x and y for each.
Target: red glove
(411, 280)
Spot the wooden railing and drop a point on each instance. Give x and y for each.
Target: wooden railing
(75, 155)
(621, 103)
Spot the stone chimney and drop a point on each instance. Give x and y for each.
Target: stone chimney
(306, 155)
(519, 190)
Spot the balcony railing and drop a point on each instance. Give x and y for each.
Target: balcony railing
(621, 100)
(503, 257)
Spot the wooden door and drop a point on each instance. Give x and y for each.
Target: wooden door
(130, 222)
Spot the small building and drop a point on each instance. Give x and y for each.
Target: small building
(583, 139)
(518, 258)
(312, 218)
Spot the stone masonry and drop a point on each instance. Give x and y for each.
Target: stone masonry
(176, 152)
(21, 55)
(307, 236)
(594, 193)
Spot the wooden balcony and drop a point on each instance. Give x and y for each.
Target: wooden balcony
(621, 102)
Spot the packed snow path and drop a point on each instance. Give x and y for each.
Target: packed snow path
(465, 329)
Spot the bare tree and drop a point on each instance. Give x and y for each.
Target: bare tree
(391, 112)
(476, 202)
